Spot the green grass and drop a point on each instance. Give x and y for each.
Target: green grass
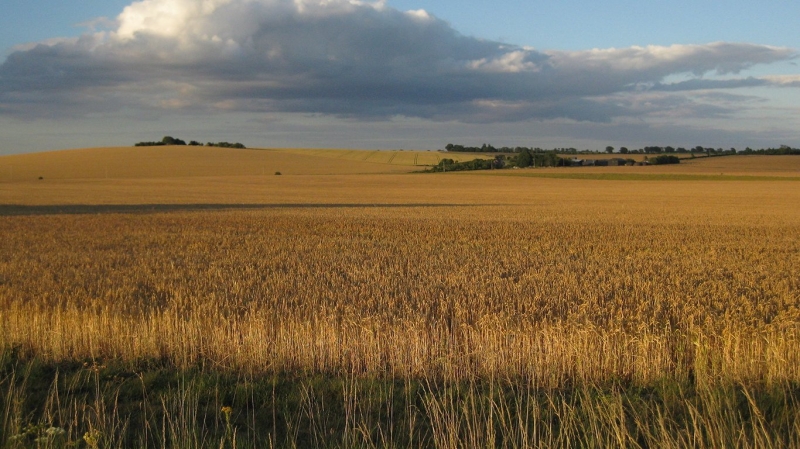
(155, 405)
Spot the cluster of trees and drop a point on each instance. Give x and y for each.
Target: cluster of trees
(681, 150)
(475, 164)
(169, 140)
(665, 159)
(527, 158)
(488, 148)
(524, 158)
(783, 150)
(225, 145)
(485, 148)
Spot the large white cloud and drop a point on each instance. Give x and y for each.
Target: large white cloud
(345, 58)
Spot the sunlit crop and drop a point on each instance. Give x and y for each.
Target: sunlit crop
(365, 309)
(408, 292)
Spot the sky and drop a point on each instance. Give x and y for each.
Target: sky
(394, 74)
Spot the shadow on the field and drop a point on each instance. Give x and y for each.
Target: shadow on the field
(84, 209)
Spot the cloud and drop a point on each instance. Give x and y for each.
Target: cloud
(707, 84)
(784, 80)
(355, 59)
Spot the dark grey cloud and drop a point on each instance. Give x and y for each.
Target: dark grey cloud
(343, 58)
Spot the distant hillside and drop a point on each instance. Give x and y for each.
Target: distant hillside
(194, 161)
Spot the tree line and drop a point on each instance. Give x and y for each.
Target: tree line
(525, 157)
(169, 140)
(710, 151)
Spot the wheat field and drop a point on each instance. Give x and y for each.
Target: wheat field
(408, 274)
(548, 283)
(396, 291)
(165, 162)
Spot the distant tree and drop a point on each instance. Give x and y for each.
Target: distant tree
(444, 165)
(524, 159)
(623, 150)
(169, 140)
(609, 149)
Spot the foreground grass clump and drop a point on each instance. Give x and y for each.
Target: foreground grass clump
(159, 406)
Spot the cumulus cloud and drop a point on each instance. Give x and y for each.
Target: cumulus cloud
(346, 58)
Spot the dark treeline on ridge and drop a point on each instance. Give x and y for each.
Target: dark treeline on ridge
(524, 158)
(169, 140)
(488, 148)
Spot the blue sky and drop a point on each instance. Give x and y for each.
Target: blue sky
(367, 75)
(562, 25)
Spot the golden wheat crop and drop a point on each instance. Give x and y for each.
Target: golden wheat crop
(513, 311)
(554, 295)
(195, 261)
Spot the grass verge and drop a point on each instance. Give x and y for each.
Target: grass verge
(151, 404)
